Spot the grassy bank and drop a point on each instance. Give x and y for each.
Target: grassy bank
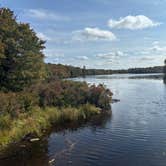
(57, 102)
(37, 120)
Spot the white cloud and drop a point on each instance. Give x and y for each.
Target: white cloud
(53, 53)
(151, 60)
(119, 53)
(94, 34)
(53, 37)
(133, 22)
(111, 55)
(157, 48)
(155, 43)
(82, 57)
(43, 14)
(154, 55)
(105, 55)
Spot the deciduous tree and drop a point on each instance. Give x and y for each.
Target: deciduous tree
(21, 57)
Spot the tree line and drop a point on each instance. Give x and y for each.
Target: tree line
(66, 71)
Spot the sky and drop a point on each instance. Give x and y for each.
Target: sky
(107, 34)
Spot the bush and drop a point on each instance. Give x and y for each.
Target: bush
(55, 94)
(68, 93)
(5, 122)
(15, 103)
(27, 101)
(61, 93)
(9, 104)
(100, 96)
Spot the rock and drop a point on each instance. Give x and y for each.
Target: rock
(34, 139)
(51, 161)
(28, 136)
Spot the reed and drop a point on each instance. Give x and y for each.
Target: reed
(37, 120)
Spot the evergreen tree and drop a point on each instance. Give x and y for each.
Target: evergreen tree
(84, 71)
(164, 78)
(21, 57)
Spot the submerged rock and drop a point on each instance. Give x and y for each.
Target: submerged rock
(34, 139)
(51, 161)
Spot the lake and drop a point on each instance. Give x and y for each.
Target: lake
(134, 135)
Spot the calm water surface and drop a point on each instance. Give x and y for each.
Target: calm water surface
(135, 134)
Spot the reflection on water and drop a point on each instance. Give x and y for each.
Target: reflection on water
(135, 134)
(164, 71)
(125, 76)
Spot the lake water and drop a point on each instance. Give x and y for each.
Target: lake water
(134, 135)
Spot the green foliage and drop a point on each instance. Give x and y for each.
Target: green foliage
(35, 121)
(9, 104)
(5, 122)
(27, 101)
(21, 57)
(15, 103)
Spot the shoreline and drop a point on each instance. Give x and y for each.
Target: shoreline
(30, 127)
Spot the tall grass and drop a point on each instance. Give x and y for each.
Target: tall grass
(35, 121)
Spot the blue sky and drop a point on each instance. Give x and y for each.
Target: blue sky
(110, 34)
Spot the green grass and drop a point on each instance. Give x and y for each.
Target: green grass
(37, 120)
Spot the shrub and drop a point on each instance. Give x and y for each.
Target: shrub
(61, 93)
(9, 104)
(15, 103)
(5, 122)
(100, 96)
(27, 101)
(54, 94)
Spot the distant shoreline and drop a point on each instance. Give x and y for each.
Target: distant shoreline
(67, 71)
